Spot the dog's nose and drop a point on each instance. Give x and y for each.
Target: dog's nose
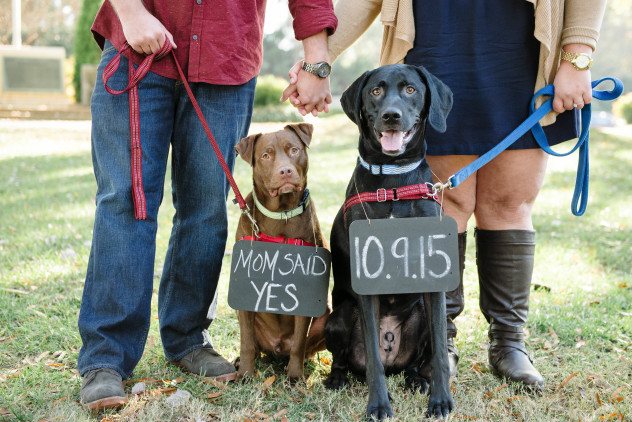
(285, 171)
(391, 115)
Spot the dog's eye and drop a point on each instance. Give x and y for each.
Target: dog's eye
(265, 156)
(376, 91)
(293, 151)
(410, 89)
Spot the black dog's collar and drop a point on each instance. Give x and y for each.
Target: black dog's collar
(388, 169)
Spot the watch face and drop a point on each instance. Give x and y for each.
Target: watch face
(582, 61)
(323, 70)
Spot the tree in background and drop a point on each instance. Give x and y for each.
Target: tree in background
(86, 51)
(44, 22)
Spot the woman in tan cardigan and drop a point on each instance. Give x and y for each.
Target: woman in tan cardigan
(494, 57)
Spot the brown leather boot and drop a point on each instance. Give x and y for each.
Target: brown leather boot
(505, 265)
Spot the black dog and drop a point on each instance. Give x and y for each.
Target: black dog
(391, 106)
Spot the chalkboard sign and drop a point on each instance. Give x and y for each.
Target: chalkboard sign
(279, 279)
(404, 255)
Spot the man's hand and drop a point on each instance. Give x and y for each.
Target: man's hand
(143, 32)
(572, 86)
(306, 91)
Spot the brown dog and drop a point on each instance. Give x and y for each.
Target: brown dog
(279, 173)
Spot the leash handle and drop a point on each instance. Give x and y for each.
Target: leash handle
(580, 195)
(135, 76)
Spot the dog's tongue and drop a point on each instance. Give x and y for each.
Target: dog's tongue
(392, 140)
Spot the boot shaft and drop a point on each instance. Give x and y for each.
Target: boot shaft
(504, 259)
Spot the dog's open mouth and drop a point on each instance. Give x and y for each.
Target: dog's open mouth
(285, 188)
(393, 141)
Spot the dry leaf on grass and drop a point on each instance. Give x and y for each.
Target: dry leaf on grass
(213, 395)
(612, 416)
(566, 380)
(489, 394)
(480, 367)
(616, 396)
(468, 418)
(280, 413)
(268, 382)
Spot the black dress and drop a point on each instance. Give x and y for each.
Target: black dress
(485, 51)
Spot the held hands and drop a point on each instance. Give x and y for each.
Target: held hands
(307, 92)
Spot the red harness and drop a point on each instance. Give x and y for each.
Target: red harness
(280, 239)
(419, 191)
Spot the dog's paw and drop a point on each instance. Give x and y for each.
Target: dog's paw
(379, 412)
(337, 380)
(414, 381)
(440, 406)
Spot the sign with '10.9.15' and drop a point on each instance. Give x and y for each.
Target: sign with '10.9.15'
(404, 255)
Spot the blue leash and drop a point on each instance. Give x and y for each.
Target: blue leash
(532, 123)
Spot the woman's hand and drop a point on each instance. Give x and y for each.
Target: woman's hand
(572, 86)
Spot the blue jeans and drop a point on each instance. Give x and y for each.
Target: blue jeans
(116, 304)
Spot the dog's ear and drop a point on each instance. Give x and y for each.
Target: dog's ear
(351, 99)
(246, 148)
(440, 102)
(303, 131)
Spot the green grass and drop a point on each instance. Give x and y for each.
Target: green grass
(579, 330)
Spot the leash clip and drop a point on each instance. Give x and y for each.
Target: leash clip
(438, 187)
(253, 223)
(381, 191)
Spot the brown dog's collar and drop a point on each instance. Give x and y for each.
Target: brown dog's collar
(283, 215)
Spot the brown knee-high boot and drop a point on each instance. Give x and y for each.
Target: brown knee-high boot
(505, 265)
(454, 305)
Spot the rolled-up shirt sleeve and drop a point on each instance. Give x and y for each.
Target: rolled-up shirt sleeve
(311, 17)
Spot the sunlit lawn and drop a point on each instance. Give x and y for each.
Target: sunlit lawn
(579, 330)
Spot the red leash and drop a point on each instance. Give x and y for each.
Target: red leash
(135, 76)
(280, 239)
(419, 191)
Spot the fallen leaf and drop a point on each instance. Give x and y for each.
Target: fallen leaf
(566, 380)
(510, 399)
(616, 396)
(325, 361)
(607, 417)
(215, 383)
(489, 394)
(553, 334)
(547, 345)
(213, 395)
(165, 391)
(42, 356)
(480, 367)
(469, 418)
(623, 285)
(261, 415)
(177, 380)
(582, 392)
(598, 400)
(267, 383)
(280, 413)
(580, 343)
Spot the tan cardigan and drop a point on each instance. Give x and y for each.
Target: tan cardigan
(557, 23)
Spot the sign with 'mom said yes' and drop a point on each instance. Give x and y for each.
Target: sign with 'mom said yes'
(279, 279)
(404, 255)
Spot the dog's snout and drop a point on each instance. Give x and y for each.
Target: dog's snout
(391, 115)
(285, 171)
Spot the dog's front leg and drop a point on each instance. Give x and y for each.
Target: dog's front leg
(297, 352)
(440, 402)
(379, 405)
(248, 344)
